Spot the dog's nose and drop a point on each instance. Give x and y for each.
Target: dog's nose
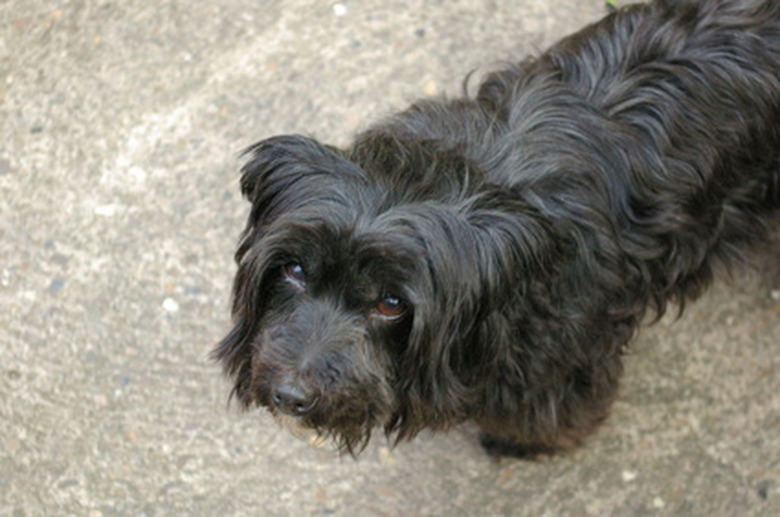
(294, 400)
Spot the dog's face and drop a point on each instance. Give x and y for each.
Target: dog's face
(359, 303)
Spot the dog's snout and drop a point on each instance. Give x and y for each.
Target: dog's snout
(294, 399)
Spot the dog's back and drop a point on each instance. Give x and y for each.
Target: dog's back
(662, 122)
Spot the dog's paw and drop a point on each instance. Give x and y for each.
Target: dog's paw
(496, 446)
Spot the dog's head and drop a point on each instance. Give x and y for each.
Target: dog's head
(365, 297)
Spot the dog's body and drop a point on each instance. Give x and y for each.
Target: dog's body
(488, 258)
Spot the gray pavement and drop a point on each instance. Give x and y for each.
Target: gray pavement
(120, 124)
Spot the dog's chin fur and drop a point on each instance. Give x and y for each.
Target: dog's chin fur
(351, 440)
(488, 258)
(297, 429)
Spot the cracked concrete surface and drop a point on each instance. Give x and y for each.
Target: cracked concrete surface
(121, 123)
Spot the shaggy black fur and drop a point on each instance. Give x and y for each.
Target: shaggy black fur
(488, 258)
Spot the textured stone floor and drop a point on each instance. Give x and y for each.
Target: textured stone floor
(120, 123)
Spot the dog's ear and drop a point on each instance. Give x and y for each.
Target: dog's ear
(516, 241)
(285, 172)
(482, 260)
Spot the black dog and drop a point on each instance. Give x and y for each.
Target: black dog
(488, 258)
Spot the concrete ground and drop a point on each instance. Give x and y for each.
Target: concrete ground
(120, 123)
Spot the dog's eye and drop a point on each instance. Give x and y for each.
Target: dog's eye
(390, 307)
(295, 274)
